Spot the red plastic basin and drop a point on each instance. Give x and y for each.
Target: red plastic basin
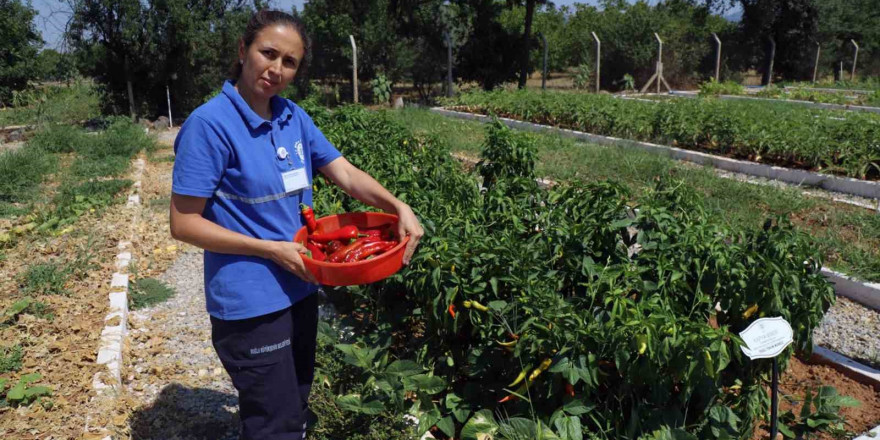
(359, 272)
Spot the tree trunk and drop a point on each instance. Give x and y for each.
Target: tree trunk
(524, 57)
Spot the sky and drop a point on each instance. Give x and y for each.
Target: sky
(54, 14)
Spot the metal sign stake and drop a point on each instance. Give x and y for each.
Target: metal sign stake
(774, 401)
(768, 338)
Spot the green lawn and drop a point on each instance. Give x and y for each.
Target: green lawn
(848, 236)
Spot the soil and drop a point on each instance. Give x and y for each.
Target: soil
(800, 377)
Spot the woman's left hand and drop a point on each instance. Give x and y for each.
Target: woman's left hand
(408, 224)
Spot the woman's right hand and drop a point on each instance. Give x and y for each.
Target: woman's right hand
(287, 255)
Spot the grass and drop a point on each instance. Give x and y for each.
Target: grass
(79, 101)
(848, 237)
(147, 292)
(51, 278)
(23, 171)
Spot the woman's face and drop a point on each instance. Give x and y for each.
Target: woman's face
(271, 61)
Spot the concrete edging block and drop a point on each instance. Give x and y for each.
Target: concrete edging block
(866, 294)
(852, 369)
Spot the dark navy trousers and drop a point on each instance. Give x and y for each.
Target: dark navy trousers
(271, 360)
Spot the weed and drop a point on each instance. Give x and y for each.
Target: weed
(51, 278)
(26, 306)
(160, 159)
(146, 292)
(46, 278)
(23, 171)
(73, 201)
(10, 358)
(81, 100)
(22, 393)
(57, 138)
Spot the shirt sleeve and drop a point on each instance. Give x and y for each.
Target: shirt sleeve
(321, 150)
(200, 160)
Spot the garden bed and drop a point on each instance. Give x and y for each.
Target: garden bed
(774, 134)
(595, 305)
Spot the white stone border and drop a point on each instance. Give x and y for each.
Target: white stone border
(818, 105)
(113, 336)
(847, 185)
(867, 294)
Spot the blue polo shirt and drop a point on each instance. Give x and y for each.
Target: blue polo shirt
(231, 156)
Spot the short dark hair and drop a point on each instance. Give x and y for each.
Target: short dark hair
(265, 18)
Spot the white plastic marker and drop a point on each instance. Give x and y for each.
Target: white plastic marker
(767, 338)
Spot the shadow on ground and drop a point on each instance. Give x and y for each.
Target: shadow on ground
(183, 413)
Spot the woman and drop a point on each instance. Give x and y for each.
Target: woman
(245, 162)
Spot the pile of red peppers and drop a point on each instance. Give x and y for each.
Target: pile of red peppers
(347, 244)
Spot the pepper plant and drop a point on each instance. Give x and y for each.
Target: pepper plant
(563, 313)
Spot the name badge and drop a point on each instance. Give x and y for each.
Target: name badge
(295, 180)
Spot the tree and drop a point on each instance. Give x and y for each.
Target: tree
(792, 24)
(844, 20)
(19, 43)
(51, 65)
(137, 48)
(526, 38)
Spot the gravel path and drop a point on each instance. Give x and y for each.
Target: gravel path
(851, 330)
(174, 371)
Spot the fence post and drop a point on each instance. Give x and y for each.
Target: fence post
(448, 63)
(168, 97)
(598, 59)
(852, 76)
(717, 58)
(816, 64)
(354, 68)
(772, 60)
(544, 71)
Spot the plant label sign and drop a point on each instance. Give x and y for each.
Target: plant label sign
(766, 338)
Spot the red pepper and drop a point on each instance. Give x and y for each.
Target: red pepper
(508, 398)
(333, 246)
(451, 310)
(309, 215)
(339, 256)
(369, 248)
(383, 232)
(569, 389)
(317, 254)
(344, 233)
(320, 246)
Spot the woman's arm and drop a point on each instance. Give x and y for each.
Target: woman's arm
(188, 225)
(366, 189)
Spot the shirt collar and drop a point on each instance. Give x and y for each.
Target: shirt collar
(280, 109)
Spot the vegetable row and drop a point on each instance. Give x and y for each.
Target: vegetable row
(837, 142)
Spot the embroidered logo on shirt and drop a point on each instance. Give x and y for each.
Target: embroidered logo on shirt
(299, 151)
(271, 348)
